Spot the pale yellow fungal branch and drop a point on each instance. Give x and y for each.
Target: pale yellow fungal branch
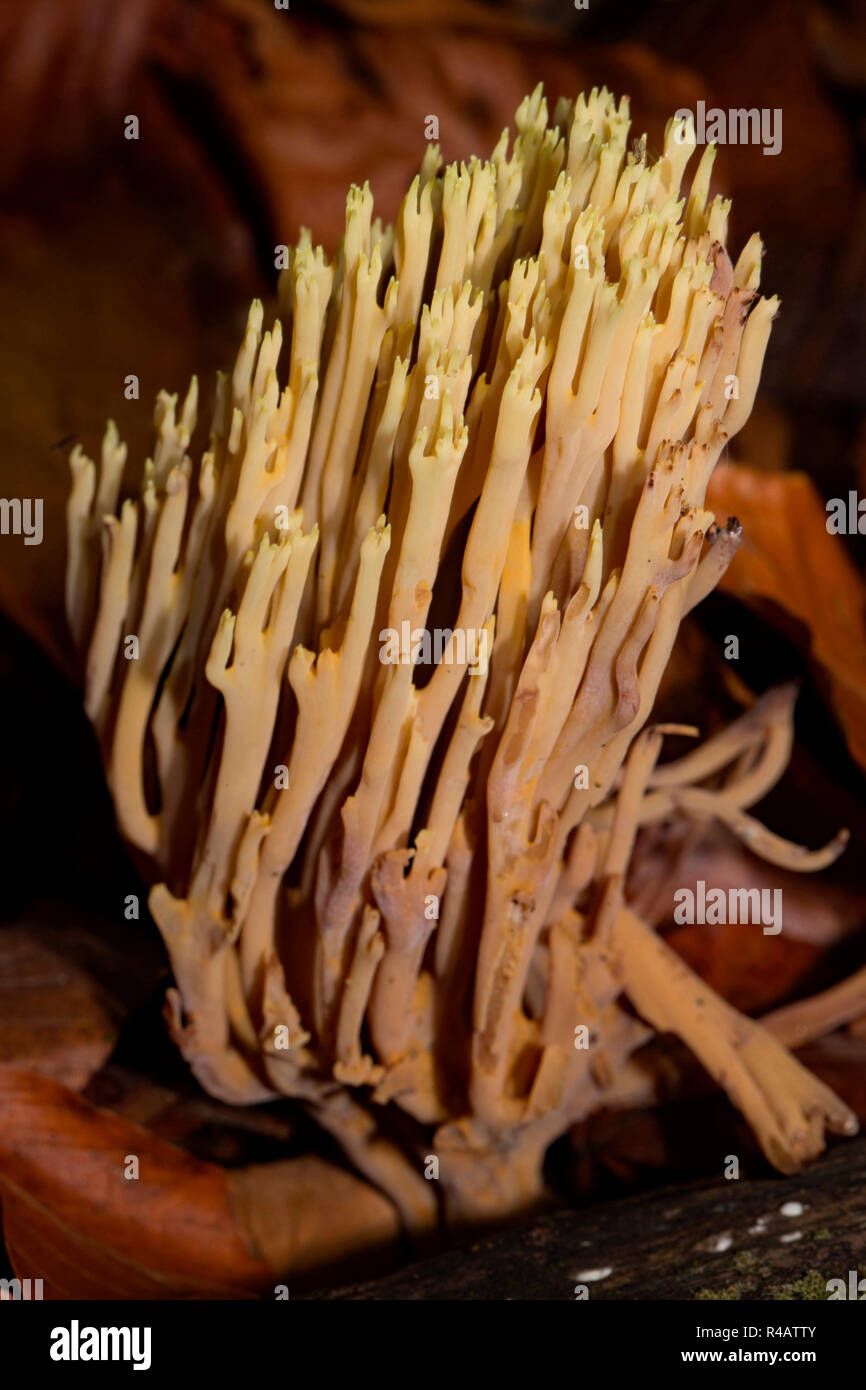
(372, 670)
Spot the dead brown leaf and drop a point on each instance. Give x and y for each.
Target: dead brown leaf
(182, 1228)
(789, 558)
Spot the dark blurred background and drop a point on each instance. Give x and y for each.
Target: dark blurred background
(122, 256)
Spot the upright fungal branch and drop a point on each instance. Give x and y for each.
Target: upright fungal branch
(386, 878)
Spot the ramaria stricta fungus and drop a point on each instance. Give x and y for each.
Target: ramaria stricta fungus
(386, 881)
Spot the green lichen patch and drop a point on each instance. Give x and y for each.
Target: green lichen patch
(811, 1286)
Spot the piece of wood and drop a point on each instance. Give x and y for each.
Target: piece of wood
(763, 1238)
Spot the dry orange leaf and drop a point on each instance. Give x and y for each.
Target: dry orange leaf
(789, 557)
(182, 1228)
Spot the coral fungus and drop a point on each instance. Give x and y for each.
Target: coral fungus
(387, 886)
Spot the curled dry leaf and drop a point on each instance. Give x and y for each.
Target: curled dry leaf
(183, 1228)
(38, 983)
(789, 557)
